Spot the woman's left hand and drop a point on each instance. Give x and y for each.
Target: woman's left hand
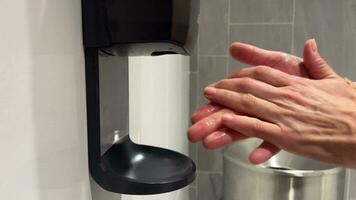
(313, 118)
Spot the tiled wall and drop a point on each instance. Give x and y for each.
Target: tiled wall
(281, 25)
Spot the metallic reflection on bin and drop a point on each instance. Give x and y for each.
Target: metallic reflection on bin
(284, 177)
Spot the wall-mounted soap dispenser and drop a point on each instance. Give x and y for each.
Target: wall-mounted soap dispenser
(134, 27)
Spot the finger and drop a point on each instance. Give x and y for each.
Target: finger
(256, 56)
(221, 138)
(315, 65)
(266, 74)
(249, 85)
(243, 103)
(205, 111)
(263, 153)
(206, 126)
(252, 127)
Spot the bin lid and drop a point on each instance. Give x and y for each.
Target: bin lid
(284, 162)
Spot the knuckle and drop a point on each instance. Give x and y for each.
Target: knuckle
(301, 82)
(226, 96)
(245, 83)
(221, 83)
(283, 58)
(320, 61)
(260, 71)
(289, 94)
(248, 101)
(258, 126)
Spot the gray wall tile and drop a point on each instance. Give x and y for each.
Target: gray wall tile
(193, 92)
(243, 11)
(352, 186)
(333, 24)
(193, 154)
(210, 70)
(213, 27)
(209, 160)
(272, 37)
(209, 186)
(194, 59)
(193, 193)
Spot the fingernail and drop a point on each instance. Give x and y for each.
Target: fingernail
(228, 118)
(209, 92)
(314, 46)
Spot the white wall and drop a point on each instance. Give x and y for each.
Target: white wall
(42, 101)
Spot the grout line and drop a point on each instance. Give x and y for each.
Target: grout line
(196, 192)
(196, 99)
(228, 36)
(196, 146)
(209, 172)
(198, 36)
(293, 27)
(259, 23)
(196, 183)
(195, 107)
(347, 185)
(197, 87)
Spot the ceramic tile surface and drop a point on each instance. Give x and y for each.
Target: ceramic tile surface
(192, 193)
(352, 186)
(243, 11)
(282, 25)
(193, 90)
(194, 59)
(209, 160)
(213, 32)
(271, 36)
(333, 25)
(209, 186)
(210, 70)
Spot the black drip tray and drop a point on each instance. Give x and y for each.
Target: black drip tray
(146, 169)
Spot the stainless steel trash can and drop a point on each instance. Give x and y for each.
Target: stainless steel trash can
(284, 177)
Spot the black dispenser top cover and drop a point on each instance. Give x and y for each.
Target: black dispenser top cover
(134, 27)
(140, 27)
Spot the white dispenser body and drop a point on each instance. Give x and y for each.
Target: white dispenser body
(159, 108)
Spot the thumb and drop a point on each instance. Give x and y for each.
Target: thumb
(315, 65)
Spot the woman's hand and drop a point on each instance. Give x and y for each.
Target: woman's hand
(313, 118)
(210, 130)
